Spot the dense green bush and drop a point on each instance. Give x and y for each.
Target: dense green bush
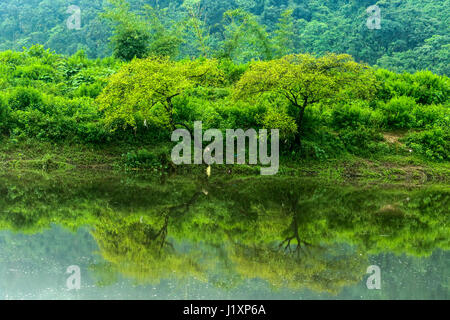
(434, 144)
(399, 113)
(424, 86)
(282, 121)
(428, 88)
(355, 114)
(49, 97)
(25, 98)
(35, 72)
(92, 132)
(241, 115)
(361, 141)
(145, 159)
(431, 115)
(232, 72)
(88, 90)
(36, 124)
(4, 115)
(321, 145)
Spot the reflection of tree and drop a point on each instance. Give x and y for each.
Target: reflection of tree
(293, 229)
(374, 219)
(301, 245)
(322, 269)
(283, 230)
(139, 246)
(292, 253)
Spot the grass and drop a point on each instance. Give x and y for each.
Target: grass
(45, 156)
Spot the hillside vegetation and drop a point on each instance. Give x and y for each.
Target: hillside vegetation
(229, 68)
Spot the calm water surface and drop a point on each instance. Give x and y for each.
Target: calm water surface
(138, 237)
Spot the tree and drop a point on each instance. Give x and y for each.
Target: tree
(198, 25)
(245, 38)
(130, 33)
(304, 80)
(145, 89)
(165, 33)
(284, 35)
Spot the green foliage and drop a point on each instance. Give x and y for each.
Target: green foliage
(245, 38)
(232, 72)
(284, 35)
(146, 159)
(433, 55)
(4, 115)
(140, 34)
(429, 116)
(355, 114)
(325, 105)
(23, 98)
(282, 121)
(413, 35)
(433, 144)
(321, 145)
(241, 115)
(129, 44)
(130, 36)
(145, 99)
(159, 82)
(425, 87)
(398, 112)
(49, 97)
(304, 80)
(360, 141)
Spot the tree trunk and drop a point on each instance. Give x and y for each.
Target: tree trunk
(299, 121)
(169, 110)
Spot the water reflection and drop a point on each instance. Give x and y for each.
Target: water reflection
(187, 237)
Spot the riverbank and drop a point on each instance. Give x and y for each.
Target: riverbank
(50, 157)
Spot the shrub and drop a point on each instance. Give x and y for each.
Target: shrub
(274, 119)
(232, 72)
(34, 123)
(424, 86)
(143, 158)
(35, 72)
(4, 115)
(92, 133)
(23, 98)
(361, 141)
(354, 115)
(429, 116)
(88, 90)
(399, 112)
(241, 115)
(429, 88)
(321, 145)
(434, 144)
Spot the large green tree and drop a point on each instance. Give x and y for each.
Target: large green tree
(146, 88)
(304, 80)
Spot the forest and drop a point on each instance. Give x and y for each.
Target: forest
(414, 35)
